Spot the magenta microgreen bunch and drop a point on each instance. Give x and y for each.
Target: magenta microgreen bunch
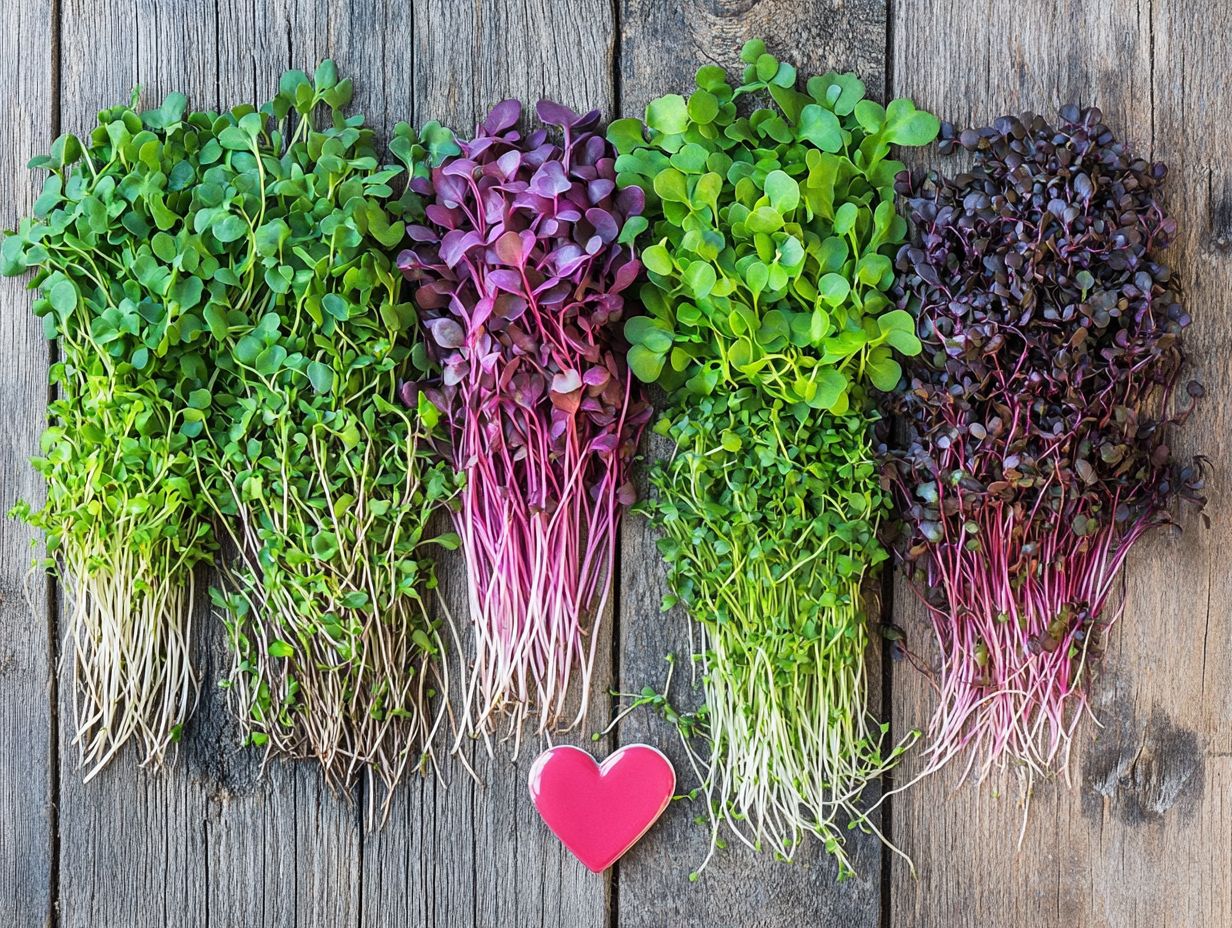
(1038, 421)
(521, 264)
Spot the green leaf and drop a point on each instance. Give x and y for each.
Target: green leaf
(703, 107)
(821, 127)
(633, 227)
(356, 599)
(233, 138)
(905, 125)
(657, 259)
(831, 388)
(884, 373)
(833, 288)
(870, 269)
(270, 237)
(440, 142)
(845, 218)
(626, 135)
(764, 219)
(653, 333)
(896, 320)
(752, 50)
(228, 228)
(837, 92)
(321, 377)
(669, 114)
(691, 159)
(326, 75)
(63, 297)
(645, 364)
(670, 185)
(270, 360)
(428, 414)
(12, 256)
(870, 115)
(199, 399)
(324, 545)
(782, 191)
(279, 648)
(700, 279)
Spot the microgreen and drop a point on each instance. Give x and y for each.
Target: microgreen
(521, 265)
(318, 474)
(768, 247)
(121, 286)
(770, 251)
(1038, 421)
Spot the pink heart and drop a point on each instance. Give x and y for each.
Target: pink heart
(599, 811)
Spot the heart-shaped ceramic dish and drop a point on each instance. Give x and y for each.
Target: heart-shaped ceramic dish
(599, 811)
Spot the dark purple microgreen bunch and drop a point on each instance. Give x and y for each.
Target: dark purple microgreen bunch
(521, 264)
(1037, 422)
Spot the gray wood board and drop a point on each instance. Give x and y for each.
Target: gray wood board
(662, 46)
(461, 852)
(1141, 837)
(27, 759)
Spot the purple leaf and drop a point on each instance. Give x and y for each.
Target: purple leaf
(550, 180)
(418, 233)
(605, 225)
(456, 243)
(596, 376)
(566, 382)
(556, 114)
(504, 279)
(509, 163)
(446, 332)
(408, 393)
(501, 117)
(599, 190)
(508, 249)
(626, 274)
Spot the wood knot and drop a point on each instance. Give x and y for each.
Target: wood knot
(1144, 772)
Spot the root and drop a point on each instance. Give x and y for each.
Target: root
(129, 627)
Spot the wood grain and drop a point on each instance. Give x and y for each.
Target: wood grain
(662, 45)
(1141, 838)
(27, 752)
(457, 852)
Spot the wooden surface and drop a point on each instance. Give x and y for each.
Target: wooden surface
(1140, 839)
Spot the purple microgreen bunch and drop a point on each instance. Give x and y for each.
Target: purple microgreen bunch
(1038, 421)
(521, 263)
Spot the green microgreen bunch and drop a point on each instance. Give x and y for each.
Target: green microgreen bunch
(771, 259)
(768, 251)
(319, 475)
(120, 291)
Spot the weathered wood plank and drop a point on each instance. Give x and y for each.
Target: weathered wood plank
(460, 853)
(1141, 838)
(27, 754)
(130, 841)
(662, 45)
(211, 840)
